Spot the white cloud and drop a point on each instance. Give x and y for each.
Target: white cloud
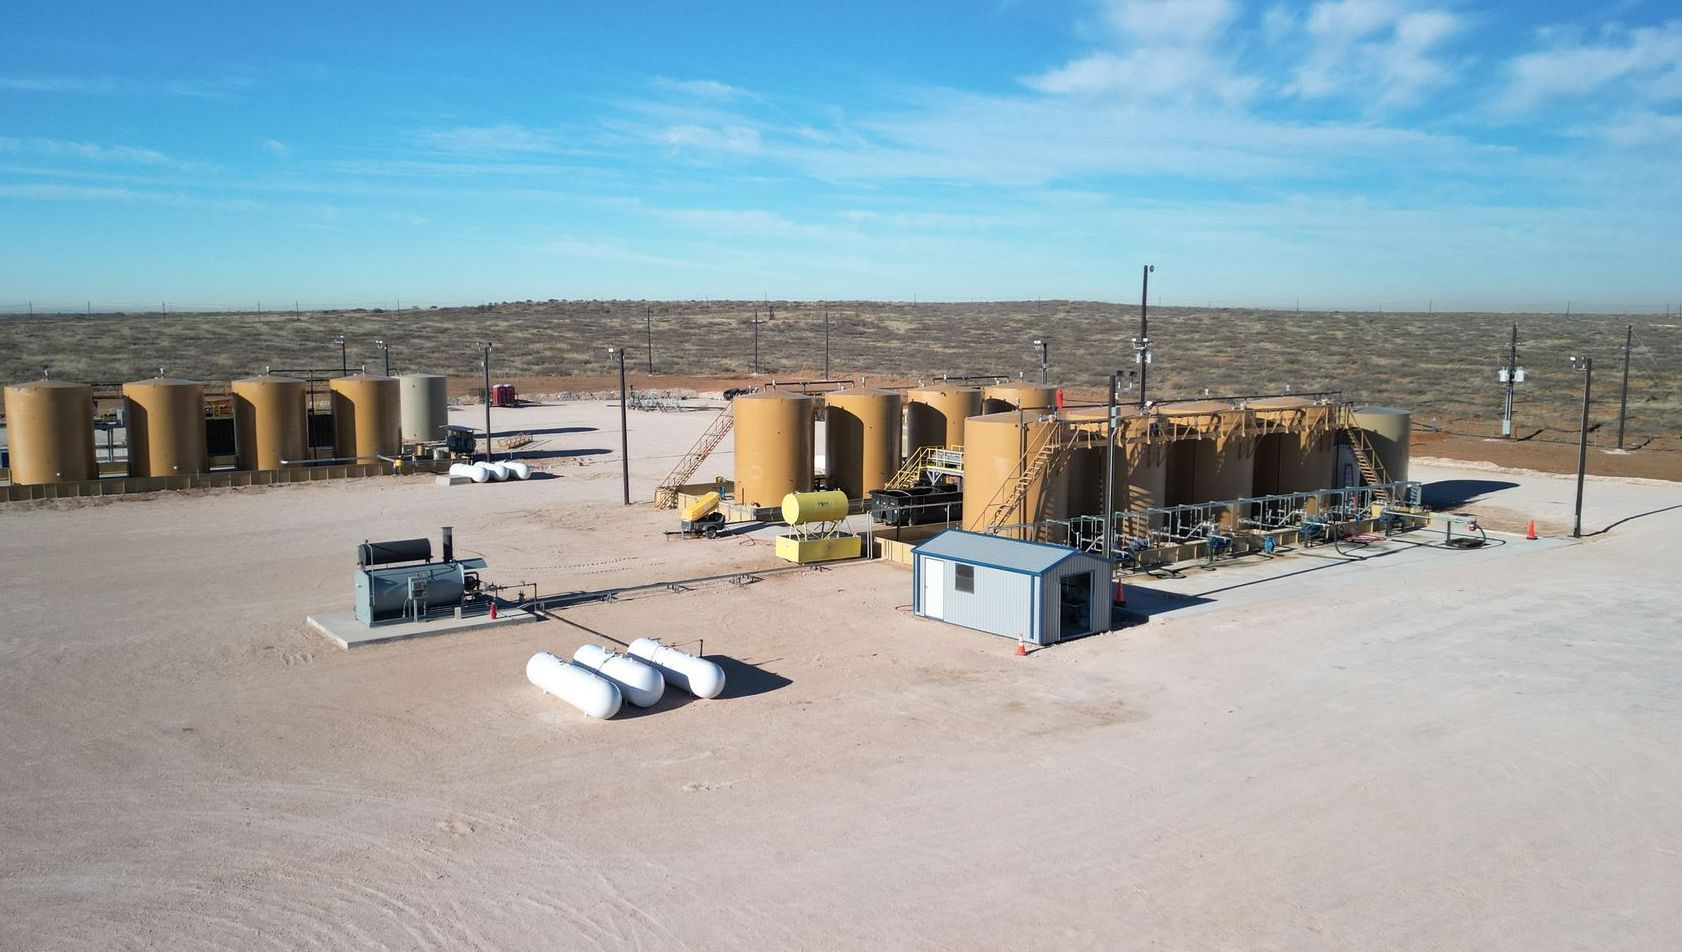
(276, 148)
(738, 140)
(1378, 51)
(700, 88)
(1171, 22)
(61, 148)
(1166, 50)
(1644, 61)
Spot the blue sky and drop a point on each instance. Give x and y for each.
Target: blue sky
(1347, 153)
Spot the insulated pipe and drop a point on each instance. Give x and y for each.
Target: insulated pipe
(698, 676)
(638, 681)
(574, 684)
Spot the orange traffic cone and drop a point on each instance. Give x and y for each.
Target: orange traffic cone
(1021, 647)
(1531, 533)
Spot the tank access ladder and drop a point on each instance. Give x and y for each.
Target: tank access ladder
(1047, 453)
(1366, 458)
(666, 496)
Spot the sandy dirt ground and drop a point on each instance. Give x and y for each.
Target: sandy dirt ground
(1439, 751)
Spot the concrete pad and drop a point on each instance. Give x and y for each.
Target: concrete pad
(344, 630)
(452, 480)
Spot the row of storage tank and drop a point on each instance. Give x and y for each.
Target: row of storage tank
(50, 428)
(869, 432)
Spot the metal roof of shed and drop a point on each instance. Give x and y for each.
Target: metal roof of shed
(999, 552)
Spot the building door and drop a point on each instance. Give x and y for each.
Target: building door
(934, 588)
(1075, 598)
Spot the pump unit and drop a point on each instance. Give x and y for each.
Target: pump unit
(398, 581)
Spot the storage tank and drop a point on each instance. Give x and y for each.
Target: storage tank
(994, 447)
(366, 421)
(268, 421)
(934, 416)
(49, 432)
(1389, 430)
(1018, 395)
(1088, 464)
(861, 439)
(424, 403)
(1300, 459)
(165, 427)
(773, 446)
(1147, 477)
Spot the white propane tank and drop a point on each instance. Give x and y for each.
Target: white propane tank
(641, 683)
(574, 684)
(498, 471)
(481, 473)
(469, 470)
(518, 470)
(698, 676)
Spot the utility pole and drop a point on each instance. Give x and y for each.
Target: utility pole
(344, 361)
(648, 325)
(756, 322)
(1623, 401)
(1045, 360)
(826, 343)
(1510, 375)
(1109, 473)
(1586, 365)
(485, 347)
(385, 350)
(624, 429)
(1142, 343)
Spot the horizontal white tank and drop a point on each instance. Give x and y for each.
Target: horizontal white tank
(698, 676)
(574, 684)
(498, 471)
(473, 471)
(518, 470)
(640, 682)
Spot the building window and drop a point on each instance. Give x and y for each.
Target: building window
(965, 578)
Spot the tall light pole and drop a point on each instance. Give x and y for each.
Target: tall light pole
(1510, 375)
(1109, 472)
(385, 350)
(485, 347)
(1623, 400)
(756, 322)
(826, 343)
(1586, 366)
(624, 430)
(1045, 361)
(344, 361)
(1142, 343)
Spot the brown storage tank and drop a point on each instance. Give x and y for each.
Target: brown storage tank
(49, 432)
(1018, 395)
(934, 416)
(994, 446)
(1087, 464)
(1389, 430)
(1180, 456)
(366, 417)
(774, 447)
(1147, 476)
(165, 427)
(268, 421)
(861, 439)
(1297, 460)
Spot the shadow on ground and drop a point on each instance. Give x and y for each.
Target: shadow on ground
(1452, 493)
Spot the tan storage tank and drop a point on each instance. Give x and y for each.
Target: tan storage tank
(1087, 464)
(1147, 477)
(424, 401)
(1390, 431)
(934, 416)
(365, 417)
(1299, 460)
(861, 439)
(49, 432)
(994, 445)
(268, 421)
(774, 446)
(166, 434)
(1018, 395)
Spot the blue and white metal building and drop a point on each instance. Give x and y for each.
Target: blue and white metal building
(1035, 591)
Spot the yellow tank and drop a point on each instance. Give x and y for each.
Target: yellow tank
(700, 507)
(166, 434)
(1147, 477)
(861, 439)
(1390, 432)
(934, 416)
(774, 448)
(802, 508)
(366, 417)
(268, 421)
(994, 445)
(49, 432)
(1018, 395)
(1088, 464)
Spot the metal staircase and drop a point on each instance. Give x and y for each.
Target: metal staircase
(912, 470)
(1366, 458)
(666, 496)
(1048, 452)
